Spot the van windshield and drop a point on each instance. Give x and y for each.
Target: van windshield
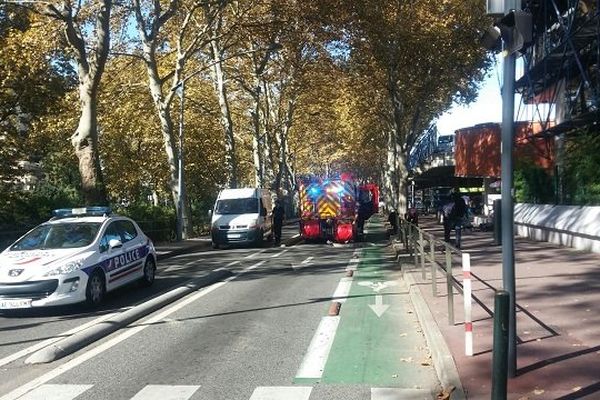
(237, 206)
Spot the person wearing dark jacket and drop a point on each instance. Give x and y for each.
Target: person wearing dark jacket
(393, 220)
(454, 218)
(278, 218)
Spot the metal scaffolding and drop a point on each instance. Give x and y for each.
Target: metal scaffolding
(561, 68)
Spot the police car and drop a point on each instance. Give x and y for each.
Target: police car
(79, 255)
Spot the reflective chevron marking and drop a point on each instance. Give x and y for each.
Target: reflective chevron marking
(281, 392)
(56, 392)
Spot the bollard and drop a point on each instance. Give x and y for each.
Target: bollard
(449, 286)
(433, 266)
(466, 263)
(500, 348)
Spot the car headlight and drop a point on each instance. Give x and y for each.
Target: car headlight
(65, 269)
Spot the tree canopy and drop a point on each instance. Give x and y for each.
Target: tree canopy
(273, 88)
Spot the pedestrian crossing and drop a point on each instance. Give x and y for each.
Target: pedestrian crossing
(185, 392)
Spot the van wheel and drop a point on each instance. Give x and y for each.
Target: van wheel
(96, 289)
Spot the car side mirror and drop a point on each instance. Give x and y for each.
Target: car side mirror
(114, 244)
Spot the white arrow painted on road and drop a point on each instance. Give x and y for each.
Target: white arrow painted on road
(378, 286)
(379, 308)
(303, 263)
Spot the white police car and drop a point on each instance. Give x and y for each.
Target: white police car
(77, 256)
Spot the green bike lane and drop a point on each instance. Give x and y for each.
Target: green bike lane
(379, 341)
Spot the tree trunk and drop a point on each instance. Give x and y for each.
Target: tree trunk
(163, 111)
(85, 143)
(390, 173)
(285, 175)
(226, 122)
(257, 144)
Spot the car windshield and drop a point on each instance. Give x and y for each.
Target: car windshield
(58, 236)
(237, 206)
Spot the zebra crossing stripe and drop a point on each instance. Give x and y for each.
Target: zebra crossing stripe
(400, 394)
(281, 392)
(166, 392)
(56, 392)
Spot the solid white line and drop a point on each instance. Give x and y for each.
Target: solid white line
(56, 392)
(281, 393)
(278, 254)
(134, 329)
(254, 254)
(318, 350)
(48, 342)
(342, 290)
(166, 392)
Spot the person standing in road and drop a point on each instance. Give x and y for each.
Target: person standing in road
(278, 218)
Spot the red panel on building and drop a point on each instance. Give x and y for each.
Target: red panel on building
(477, 149)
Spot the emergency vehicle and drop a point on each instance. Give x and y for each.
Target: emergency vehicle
(335, 209)
(79, 255)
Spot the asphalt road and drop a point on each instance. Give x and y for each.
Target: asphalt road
(264, 333)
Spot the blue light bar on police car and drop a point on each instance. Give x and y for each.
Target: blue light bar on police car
(81, 211)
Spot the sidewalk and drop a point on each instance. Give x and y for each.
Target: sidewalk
(558, 318)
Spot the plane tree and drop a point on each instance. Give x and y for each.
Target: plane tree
(426, 55)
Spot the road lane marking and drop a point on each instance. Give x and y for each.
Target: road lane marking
(166, 392)
(318, 351)
(280, 253)
(60, 336)
(129, 332)
(281, 392)
(56, 392)
(303, 263)
(182, 266)
(342, 290)
(255, 254)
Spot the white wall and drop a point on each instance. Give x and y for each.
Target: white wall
(572, 226)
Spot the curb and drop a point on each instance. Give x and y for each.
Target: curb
(443, 361)
(81, 339)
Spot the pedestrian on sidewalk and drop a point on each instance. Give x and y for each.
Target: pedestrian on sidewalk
(393, 220)
(278, 218)
(454, 214)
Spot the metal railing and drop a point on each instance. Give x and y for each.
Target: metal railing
(434, 255)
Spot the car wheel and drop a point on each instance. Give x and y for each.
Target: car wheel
(149, 272)
(96, 289)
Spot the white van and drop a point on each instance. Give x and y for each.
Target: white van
(241, 216)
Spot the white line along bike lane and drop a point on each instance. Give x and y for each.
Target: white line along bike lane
(377, 339)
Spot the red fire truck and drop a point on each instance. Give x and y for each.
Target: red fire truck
(335, 209)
